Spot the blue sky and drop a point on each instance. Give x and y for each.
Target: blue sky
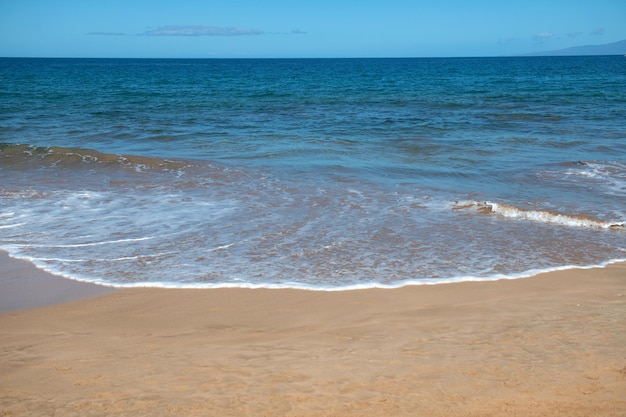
(316, 28)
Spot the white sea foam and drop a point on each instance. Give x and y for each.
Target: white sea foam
(78, 260)
(306, 287)
(610, 176)
(81, 245)
(542, 216)
(222, 247)
(10, 226)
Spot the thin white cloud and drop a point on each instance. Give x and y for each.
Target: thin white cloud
(508, 41)
(574, 34)
(108, 33)
(199, 30)
(542, 37)
(597, 32)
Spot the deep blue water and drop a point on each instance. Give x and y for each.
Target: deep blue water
(323, 173)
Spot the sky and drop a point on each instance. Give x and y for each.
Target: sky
(303, 29)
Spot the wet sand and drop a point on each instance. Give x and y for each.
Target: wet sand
(554, 344)
(23, 286)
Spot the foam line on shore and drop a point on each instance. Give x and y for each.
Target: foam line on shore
(298, 286)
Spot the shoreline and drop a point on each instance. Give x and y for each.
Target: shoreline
(24, 286)
(11, 268)
(541, 346)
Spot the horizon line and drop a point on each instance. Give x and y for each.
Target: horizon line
(525, 55)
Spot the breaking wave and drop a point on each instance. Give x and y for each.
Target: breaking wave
(21, 155)
(542, 216)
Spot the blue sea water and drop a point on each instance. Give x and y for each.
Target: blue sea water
(312, 173)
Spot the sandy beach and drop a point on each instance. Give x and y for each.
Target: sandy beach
(551, 345)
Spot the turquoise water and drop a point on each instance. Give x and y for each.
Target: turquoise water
(312, 173)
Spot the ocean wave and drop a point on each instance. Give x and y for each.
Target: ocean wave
(54, 156)
(541, 216)
(611, 176)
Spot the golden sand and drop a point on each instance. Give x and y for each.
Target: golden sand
(551, 345)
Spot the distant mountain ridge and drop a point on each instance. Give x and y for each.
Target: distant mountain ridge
(614, 48)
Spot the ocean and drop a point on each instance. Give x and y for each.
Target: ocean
(325, 174)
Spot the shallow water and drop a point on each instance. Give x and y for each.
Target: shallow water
(314, 173)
